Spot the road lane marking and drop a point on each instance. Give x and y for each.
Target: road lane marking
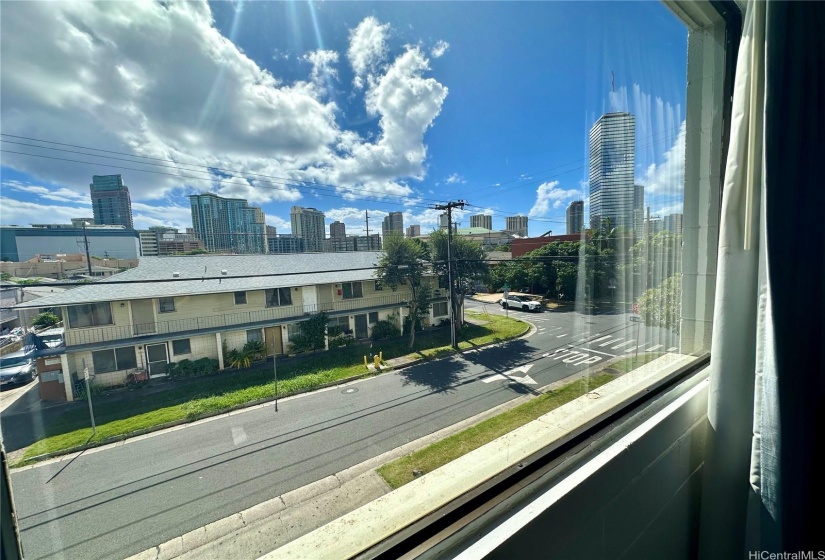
(671, 349)
(609, 342)
(654, 347)
(622, 344)
(598, 352)
(510, 376)
(562, 335)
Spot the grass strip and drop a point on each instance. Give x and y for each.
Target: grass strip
(225, 391)
(403, 470)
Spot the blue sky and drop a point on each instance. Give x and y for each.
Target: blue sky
(341, 106)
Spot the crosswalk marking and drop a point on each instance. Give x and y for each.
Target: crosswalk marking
(602, 338)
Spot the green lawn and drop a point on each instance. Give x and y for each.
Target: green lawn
(215, 394)
(403, 470)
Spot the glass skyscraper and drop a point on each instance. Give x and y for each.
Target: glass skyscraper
(110, 201)
(228, 225)
(612, 162)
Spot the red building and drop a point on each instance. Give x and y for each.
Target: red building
(526, 244)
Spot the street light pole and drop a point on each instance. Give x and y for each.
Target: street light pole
(86, 245)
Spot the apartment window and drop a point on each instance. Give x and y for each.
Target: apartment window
(338, 325)
(293, 330)
(440, 309)
(90, 315)
(240, 298)
(278, 297)
(373, 317)
(352, 290)
(117, 359)
(254, 335)
(181, 346)
(166, 305)
(378, 286)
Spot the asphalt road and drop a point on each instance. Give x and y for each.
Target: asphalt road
(116, 501)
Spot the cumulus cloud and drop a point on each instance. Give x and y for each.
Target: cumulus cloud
(439, 49)
(454, 178)
(367, 48)
(549, 194)
(159, 80)
(668, 177)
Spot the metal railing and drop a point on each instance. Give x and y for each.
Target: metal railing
(75, 337)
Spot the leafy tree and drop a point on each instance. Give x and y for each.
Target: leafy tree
(660, 306)
(469, 265)
(5, 276)
(653, 259)
(45, 319)
(196, 252)
(312, 334)
(403, 264)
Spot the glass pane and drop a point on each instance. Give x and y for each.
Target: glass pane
(347, 287)
(254, 335)
(104, 361)
(126, 357)
(357, 289)
(285, 296)
(240, 298)
(156, 352)
(272, 298)
(181, 347)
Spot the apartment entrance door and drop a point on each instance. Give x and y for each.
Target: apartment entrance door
(157, 357)
(143, 316)
(274, 342)
(361, 326)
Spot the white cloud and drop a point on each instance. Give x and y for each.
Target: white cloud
(669, 176)
(454, 178)
(283, 226)
(17, 212)
(159, 80)
(548, 193)
(367, 48)
(668, 210)
(439, 49)
(169, 214)
(322, 66)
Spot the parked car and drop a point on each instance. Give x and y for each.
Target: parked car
(17, 367)
(516, 302)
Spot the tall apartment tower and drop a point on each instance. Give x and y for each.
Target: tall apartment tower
(111, 203)
(337, 230)
(308, 224)
(393, 223)
(516, 225)
(481, 220)
(575, 217)
(612, 162)
(673, 223)
(414, 231)
(638, 209)
(228, 224)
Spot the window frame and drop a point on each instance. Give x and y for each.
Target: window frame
(280, 293)
(259, 337)
(115, 360)
(352, 290)
(71, 308)
(245, 297)
(161, 301)
(446, 309)
(188, 347)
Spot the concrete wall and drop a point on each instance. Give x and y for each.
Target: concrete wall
(644, 503)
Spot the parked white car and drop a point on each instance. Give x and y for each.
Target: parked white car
(516, 302)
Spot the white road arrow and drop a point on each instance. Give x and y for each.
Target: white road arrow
(510, 376)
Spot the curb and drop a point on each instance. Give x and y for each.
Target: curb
(123, 437)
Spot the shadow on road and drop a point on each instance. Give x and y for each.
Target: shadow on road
(440, 377)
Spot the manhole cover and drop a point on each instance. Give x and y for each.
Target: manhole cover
(350, 391)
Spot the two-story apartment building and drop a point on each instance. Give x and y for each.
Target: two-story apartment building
(172, 308)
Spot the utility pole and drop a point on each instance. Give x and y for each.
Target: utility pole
(449, 208)
(367, 218)
(86, 245)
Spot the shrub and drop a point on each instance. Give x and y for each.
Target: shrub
(239, 358)
(45, 319)
(384, 329)
(188, 368)
(256, 349)
(339, 341)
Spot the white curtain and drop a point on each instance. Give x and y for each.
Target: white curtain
(740, 504)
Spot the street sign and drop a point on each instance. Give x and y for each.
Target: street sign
(86, 373)
(506, 293)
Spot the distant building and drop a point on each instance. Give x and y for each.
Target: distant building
(148, 243)
(654, 226)
(271, 230)
(308, 224)
(575, 217)
(612, 167)
(414, 231)
(61, 266)
(337, 230)
(162, 240)
(285, 243)
(23, 243)
(673, 223)
(519, 247)
(78, 222)
(228, 225)
(365, 243)
(516, 225)
(393, 223)
(638, 209)
(111, 203)
(481, 220)
(486, 237)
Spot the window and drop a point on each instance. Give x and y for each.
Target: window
(373, 317)
(240, 298)
(166, 305)
(90, 315)
(440, 309)
(181, 346)
(254, 335)
(293, 330)
(352, 290)
(278, 297)
(378, 286)
(117, 359)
